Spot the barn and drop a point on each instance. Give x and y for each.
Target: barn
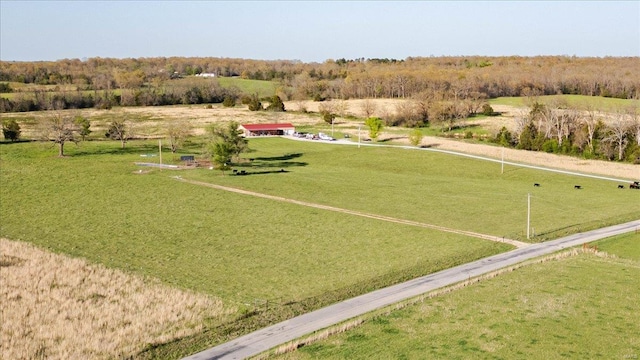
(268, 129)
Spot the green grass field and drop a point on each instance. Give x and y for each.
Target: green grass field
(578, 307)
(626, 246)
(601, 103)
(94, 204)
(439, 189)
(248, 86)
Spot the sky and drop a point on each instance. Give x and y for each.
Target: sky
(315, 31)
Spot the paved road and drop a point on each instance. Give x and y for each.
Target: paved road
(272, 336)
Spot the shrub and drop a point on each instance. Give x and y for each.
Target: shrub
(228, 101)
(550, 146)
(11, 130)
(276, 104)
(487, 110)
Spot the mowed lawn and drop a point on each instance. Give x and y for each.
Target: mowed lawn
(94, 204)
(580, 307)
(434, 188)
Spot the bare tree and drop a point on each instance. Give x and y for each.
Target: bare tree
(590, 120)
(368, 107)
(177, 133)
(119, 130)
(618, 134)
(60, 130)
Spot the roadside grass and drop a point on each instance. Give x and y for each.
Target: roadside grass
(581, 306)
(626, 246)
(434, 188)
(598, 102)
(50, 303)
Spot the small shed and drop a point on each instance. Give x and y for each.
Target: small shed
(268, 129)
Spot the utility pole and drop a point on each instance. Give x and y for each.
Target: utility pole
(528, 214)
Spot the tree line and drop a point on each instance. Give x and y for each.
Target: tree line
(556, 127)
(147, 81)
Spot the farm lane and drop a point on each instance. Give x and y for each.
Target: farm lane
(482, 155)
(272, 336)
(357, 213)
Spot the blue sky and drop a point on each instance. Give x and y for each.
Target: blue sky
(314, 31)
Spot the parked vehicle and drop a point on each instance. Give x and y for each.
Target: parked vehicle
(324, 136)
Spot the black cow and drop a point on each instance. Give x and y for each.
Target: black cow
(620, 186)
(536, 185)
(577, 187)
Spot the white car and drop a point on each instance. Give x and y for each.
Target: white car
(324, 136)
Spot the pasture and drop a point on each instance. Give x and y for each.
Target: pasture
(266, 257)
(433, 188)
(581, 306)
(256, 255)
(598, 102)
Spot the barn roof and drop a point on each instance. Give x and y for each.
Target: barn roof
(262, 127)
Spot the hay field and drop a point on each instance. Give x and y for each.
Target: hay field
(57, 307)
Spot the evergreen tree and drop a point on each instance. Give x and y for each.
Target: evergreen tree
(11, 130)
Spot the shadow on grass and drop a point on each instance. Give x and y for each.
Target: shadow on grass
(278, 158)
(141, 149)
(280, 162)
(390, 139)
(262, 172)
(9, 142)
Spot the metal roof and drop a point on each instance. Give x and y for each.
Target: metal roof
(262, 127)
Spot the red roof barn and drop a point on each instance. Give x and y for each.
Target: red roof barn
(268, 129)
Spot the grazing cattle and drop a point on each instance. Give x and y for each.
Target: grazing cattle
(536, 185)
(577, 187)
(620, 186)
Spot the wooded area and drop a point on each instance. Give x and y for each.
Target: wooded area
(106, 82)
(442, 90)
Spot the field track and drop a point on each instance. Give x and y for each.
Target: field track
(515, 243)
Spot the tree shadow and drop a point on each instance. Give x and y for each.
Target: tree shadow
(278, 158)
(271, 162)
(279, 164)
(8, 142)
(116, 149)
(390, 139)
(245, 173)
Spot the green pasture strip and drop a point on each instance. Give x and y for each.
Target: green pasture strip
(243, 249)
(579, 307)
(269, 259)
(599, 102)
(433, 188)
(247, 86)
(625, 246)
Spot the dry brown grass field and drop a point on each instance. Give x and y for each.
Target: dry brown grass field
(199, 117)
(56, 307)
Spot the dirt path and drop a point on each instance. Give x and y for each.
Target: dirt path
(515, 243)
